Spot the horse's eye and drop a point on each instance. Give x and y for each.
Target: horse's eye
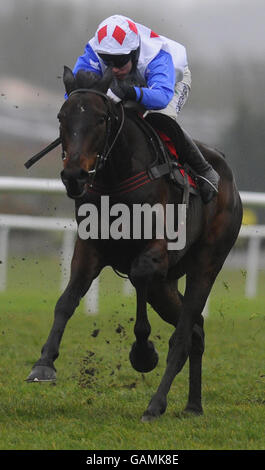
(101, 120)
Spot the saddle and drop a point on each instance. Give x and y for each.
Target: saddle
(168, 141)
(173, 138)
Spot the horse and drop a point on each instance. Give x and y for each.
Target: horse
(105, 146)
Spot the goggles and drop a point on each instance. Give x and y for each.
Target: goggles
(115, 60)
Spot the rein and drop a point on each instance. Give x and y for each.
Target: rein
(102, 158)
(42, 153)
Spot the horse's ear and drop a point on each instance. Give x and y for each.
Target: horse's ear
(69, 80)
(104, 84)
(86, 79)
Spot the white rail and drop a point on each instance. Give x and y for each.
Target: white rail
(48, 185)
(39, 185)
(29, 222)
(67, 226)
(252, 199)
(255, 233)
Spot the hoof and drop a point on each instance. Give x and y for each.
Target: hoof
(147, 418)
(144, 357)
(156, 408)
(42, 374)
(193, 410)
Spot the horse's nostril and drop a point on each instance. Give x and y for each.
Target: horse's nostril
(83, 176)
(74, 181)
(65, 181)
(64, 177)
(74, 175)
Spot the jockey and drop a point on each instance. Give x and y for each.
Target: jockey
(160, 65)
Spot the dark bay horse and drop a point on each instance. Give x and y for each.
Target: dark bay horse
(105, 147)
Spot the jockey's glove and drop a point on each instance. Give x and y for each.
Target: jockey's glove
(120, 90)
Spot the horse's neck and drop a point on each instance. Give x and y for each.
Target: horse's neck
(130, 154)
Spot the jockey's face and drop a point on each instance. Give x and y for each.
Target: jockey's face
(121, 64)
(121, 72)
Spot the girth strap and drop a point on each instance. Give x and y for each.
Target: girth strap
(157, 171)
(126, 186)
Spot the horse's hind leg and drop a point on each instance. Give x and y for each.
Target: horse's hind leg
(194, 404)
(185, 341)
(167, 302)
(84, 268)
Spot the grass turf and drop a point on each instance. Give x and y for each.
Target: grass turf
(98, 399)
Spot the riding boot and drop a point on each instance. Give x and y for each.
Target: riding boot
(207, 177)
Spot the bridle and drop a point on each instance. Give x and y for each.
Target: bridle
(101, 160)
(103, 156)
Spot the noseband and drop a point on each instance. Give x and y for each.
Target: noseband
(102, 157)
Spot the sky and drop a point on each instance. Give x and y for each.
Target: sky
(215, 32)
(224, 40)
(210, 29)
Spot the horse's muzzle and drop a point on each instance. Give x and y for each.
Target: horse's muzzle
(75, 182)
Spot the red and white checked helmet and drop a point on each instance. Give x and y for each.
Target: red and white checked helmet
(116, 35)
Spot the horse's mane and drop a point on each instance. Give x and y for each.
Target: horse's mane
(85, 79)
(92, 80)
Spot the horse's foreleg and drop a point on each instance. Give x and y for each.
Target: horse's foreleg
(84, 268)
(143, 355)
(152, 263)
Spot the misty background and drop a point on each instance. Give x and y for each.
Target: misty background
(226, 49)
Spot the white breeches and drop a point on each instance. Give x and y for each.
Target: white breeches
(181, 94)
